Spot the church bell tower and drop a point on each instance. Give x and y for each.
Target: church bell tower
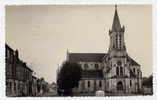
(117, 44)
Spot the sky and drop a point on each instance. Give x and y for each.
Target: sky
(43, 33)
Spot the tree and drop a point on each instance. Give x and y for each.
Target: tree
(68, 77)
(40, 84)
(148, 82)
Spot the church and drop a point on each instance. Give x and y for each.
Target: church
(111, 72)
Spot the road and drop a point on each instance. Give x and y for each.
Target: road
(49, 94)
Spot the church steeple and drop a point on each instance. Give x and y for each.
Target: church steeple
(116, 23)
(116, 36)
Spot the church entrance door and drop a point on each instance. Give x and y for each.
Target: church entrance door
(119, 86)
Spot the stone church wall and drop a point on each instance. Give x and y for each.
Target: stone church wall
(90, 85)
(91, 65)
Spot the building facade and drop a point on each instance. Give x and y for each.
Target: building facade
(18, 74)
(112, 72)
(34, 86)
(10, 69)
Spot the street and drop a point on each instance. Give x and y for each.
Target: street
(49, 94)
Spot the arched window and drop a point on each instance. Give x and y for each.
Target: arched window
(121, 70)
(134, 70)
(85, 66)
(116, 41)
(120, 37)
(119, 86)
(88, 83)
(138, 73)
(117, 71)
(130, 83)
(100, 83)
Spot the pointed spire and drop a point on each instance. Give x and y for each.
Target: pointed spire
(67, 51)
(67, 56)
(116, 7)
(116, 23)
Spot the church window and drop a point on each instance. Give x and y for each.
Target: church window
(116, 38)
(120, 41)
(119, 86)
(121, 70)
(119, 63)
(96, 66)
(14, 86)
(100, 83)
(130, 83)
(116, 41)
(86, 66)
(134, 70)
(138, 72)
(88, 83)
(117, 71)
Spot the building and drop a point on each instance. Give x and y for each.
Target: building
(18, 74)
(114, 71)
(42, 86)
(34, 86)
(53, 87)
(10, 71)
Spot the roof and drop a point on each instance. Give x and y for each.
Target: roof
(116, 23)
(8, 47)
(86, 57)
(133, 62)
(25, 65)
(92, 74)
(34, 77)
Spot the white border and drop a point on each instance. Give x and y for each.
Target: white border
(3, 3)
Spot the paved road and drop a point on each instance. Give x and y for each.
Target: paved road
(49, 94)
(54, 94)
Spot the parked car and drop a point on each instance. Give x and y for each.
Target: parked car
(100, 93)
